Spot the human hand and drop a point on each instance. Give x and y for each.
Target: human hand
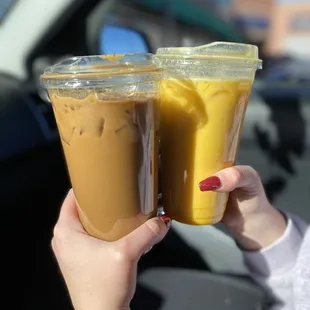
(249, 215)
(101, 275)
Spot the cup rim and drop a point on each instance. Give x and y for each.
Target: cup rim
(92, 66)
(221, 51)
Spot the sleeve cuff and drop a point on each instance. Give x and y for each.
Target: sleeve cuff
(279, 257)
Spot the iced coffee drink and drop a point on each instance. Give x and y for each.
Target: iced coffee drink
(109, 133)
(204, 96)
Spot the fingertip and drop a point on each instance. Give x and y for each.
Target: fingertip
(164, 223)
(146, 236)
(69, 199)
(159, 227)
(70, 196)
(231, 178)
(166, 220)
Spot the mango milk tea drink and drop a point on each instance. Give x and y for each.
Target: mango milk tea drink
(106, 108)
(204, 96)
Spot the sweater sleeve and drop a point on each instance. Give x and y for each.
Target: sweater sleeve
(273, 267)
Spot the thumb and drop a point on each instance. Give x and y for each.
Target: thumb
(229, 179)
(69, 218)
(146, 236)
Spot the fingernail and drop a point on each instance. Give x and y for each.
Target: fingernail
(166, 220)
(210, 184)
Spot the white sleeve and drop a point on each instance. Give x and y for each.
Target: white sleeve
(273, 266)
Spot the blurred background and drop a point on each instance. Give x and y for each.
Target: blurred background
(201, 264)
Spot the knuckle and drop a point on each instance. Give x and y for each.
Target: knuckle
(60, 233)
(53, 245)
(257, 185)
(56, 247)
(255, 174)
(121, 251)
(249, 177)
(155, 227)
(237, 175)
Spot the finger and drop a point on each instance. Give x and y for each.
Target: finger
(69, 216)
(229, 179)
(146, 236)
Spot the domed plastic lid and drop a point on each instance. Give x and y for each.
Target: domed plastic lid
(215, 50)
(87, 69)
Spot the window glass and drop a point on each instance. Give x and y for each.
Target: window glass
(252, 22)
(121, 40)
(301, 23)
(5, 5)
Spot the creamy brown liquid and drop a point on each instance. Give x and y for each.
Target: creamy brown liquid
(111, 151)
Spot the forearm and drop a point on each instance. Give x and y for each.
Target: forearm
(102, 307)
(93, 303)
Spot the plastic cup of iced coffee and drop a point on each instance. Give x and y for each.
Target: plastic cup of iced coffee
(204, 96)
(106, 109)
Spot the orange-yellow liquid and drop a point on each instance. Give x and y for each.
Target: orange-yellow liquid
(201, 122)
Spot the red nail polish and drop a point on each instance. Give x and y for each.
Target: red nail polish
(210, 184)
(166, 220)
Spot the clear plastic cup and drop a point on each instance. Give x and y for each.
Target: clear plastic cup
(106, 108)
(204, 95)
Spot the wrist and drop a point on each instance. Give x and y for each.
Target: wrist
(106, 307)
(261, 229)
(116, 308)
(109, 307)
(100, 306)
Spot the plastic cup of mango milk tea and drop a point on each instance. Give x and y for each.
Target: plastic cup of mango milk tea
(106, 109)
(204, 96)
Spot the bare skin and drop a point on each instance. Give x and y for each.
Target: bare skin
(102, 275)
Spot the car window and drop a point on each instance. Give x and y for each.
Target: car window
(121, 40)
(5, 6)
